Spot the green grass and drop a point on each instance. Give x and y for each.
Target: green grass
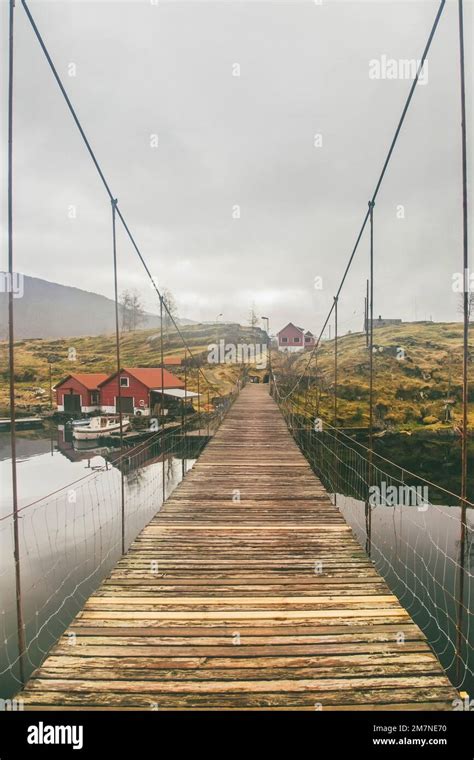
(98, 354)
(409, 392)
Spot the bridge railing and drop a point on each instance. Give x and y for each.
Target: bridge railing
(412, 529)
(70, 539)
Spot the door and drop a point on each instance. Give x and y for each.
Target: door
(126, 404)
(72, 402)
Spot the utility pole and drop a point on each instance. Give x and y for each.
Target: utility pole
(269, 349)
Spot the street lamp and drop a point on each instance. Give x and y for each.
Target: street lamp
(217, 330)
(50, 361)
(267, 320)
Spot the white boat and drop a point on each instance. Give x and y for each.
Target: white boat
(78, 423)
(100, 427)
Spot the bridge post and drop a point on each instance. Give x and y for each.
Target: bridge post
(466, 317)
(368, 511)
(11, 350)
(117, 354)
(162, 411)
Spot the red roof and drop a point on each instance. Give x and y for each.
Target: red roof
(89, 381)
(175, 360)
(151, 377)
(290, 324)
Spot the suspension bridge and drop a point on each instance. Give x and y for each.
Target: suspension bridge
(247, 590)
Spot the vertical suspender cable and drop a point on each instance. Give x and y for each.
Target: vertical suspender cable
(466, 303)
(183, 407)
(11, 355)
(199, 401)
(162, 405)
(368, 511)
(335, 360)
(367, 314)
(335, 396)
(117, 354)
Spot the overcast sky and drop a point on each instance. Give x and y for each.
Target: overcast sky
(224, 141)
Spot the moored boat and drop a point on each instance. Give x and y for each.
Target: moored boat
(99, 427)
(78, 423)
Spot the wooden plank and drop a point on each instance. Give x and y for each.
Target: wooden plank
(265, 601)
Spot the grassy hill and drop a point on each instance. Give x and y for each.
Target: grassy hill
(97, 354)
(418, 367)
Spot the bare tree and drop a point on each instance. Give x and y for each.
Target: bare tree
(131, 310)
(470, 304)
(170, 310)
(253, 319)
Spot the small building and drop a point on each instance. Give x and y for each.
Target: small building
(140, 389)
(381, 322)
(79, 392)
(294, 338)
(172, 361)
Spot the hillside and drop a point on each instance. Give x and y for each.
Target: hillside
(81, 312)
(418, 367)
(410, 392)
(97, 354)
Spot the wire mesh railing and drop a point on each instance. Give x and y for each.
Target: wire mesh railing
(417, 533)
(71, 538)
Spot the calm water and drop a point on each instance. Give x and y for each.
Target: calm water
(70, 540)
(415, 544)
(418, 553)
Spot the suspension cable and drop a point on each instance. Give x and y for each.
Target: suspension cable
(103, 179)
(377, 185)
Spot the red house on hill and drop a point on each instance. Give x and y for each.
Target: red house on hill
(140, 389)
(79, 392)
(293, 338)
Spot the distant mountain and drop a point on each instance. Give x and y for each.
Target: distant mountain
(50, 310)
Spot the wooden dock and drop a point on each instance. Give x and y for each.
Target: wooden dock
(247, 590)
(21, 423)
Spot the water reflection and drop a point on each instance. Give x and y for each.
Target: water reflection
(71, 539)
(418, 552)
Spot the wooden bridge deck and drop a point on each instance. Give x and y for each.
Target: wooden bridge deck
(235, 615)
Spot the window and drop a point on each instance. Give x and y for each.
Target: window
(307, 339)
(124, 382)
(284, 340)
(94, 398)
(296, 340)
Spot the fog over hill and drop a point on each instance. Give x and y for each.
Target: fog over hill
(50, 310)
